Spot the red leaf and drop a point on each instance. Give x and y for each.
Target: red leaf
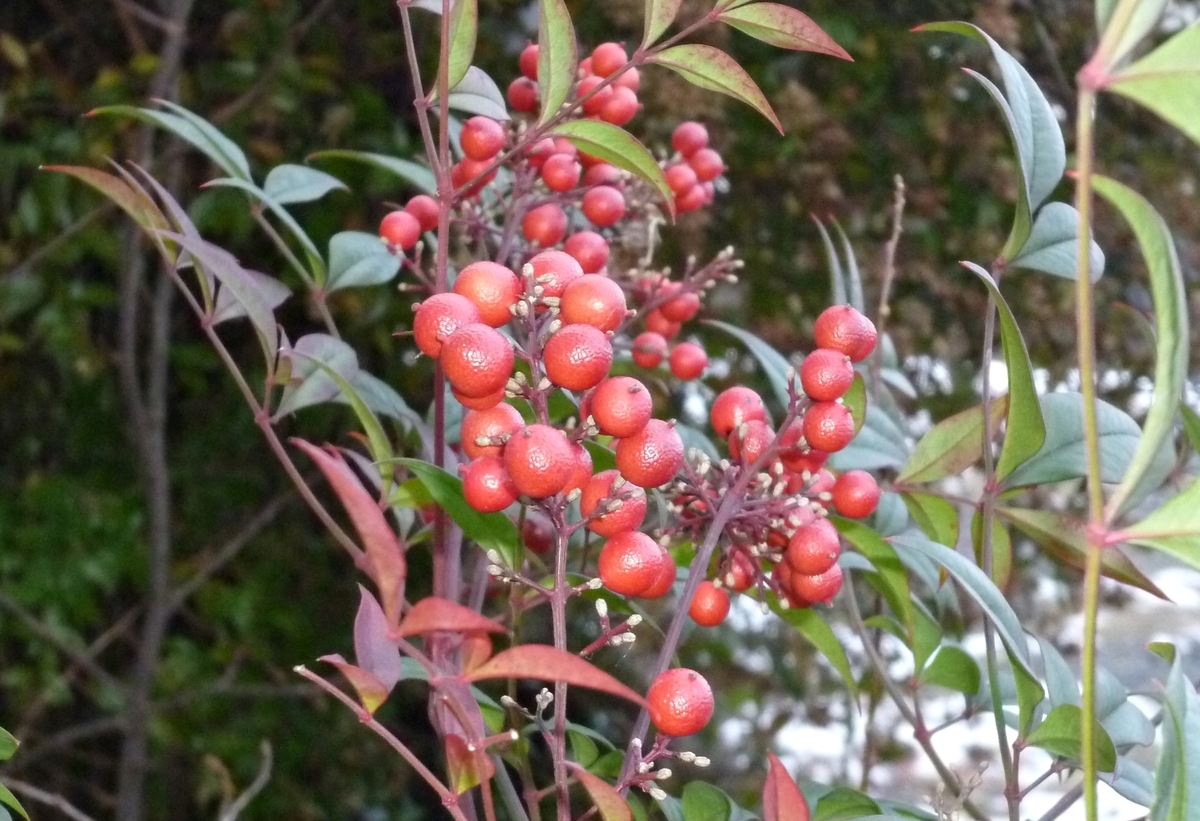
(783, 27)
(373, 650)
(467, 768)
(782, 799)
(432, 614)
(371, 691)
(385, 555)
(545, 662)
(608, 801)
(476, 649)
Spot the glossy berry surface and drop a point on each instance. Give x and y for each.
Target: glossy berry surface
(665, 579)
(710, 605)
(486, 402)
(425, 209)
(843, 328)
(608, 58)
(649, 349)
(561, 172)
(680, 702)
(688, 361)
(828, 426)
(523, 95)
(652, 456)
(581, 472)
(603, 205)
(750, 440)
(813, 548)
(492, 288)
(629, 515)
(689, 137)
(620, 107)
(855, 494)
(495, 425)
(554, 271)
(621, 406)
(733, 406)
(826, 375)
(540, 460)
(528, 61)
(487, 486)
(681, 308)
(707, 164)
(577, 357)
(818, 589)
(594, 300)
(477, 359)
(545, 225)
(659, 324)
(589, 249)
(482, 138)
(630, 562)
(440, 316)
(401, 229)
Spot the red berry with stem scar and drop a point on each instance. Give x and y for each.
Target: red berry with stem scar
(478, 360)
(680, 702)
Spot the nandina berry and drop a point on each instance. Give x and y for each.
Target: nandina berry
(585, 67)
(528, 61)
(621, 406)
(608, 59)
(401, 229)
(598, 501)
(589, 249)
(741, 573)
(826, 375)
(554, 271)
(537, 531)
(561, 172)
(652, 456)
(796, 458)
(481, 138)
(855, 494)
(688, 361)
(707, 164)
(479, 403)
(750, 440)
(471, 172)
(564, 146)
(710, 605)
(844, 329)
(682, 307)
(477, 359)
(680, 177)
(523, 95)
(680, 702)
(577, 357)
(541, 151)
(493, 289)
(545, 225)
(691, 200)
(602, 173)
(659, 324)
(438, 317)
(818, 589)
(594, 104)
(733, 406)
(630, 79)
(822, 484)
(665, 579)
(828, 426)
(620, 107)
(425, 209)
(487, 486)
(540, 460)
(594, 300)
(689, 137)
(629, 563)
(485, 432)
(582, 472)
(604, 205)
(649, 349)
(814, 547)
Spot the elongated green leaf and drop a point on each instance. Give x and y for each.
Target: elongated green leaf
(190, 128)
(713, 69)
(843, 804)
(617, 146)
(704, 802)
(880, 443)
(934, 515)
(816, 630)
(774, 366)
(952, 445)
(1053, 245)
(1002, 555)
(8, 744)
(464, 24)
(289, 183)
(418, 175)
(855, 400)
(1171, 326)
(10, 800)
(315, 262)
(1062, 687)
(853, 276)
(1174, 528)
(1177, 776)
(129, 198)
(837, 280)
(477, 93)
(558, 55)
(887, 566)
(1117, 41)
(953, 669)
(783, 27)
(491, 531)
(1060, 734)
(1191, 426)
(1026, 428)
(357, 258)
(1131, 780)
(659, 16)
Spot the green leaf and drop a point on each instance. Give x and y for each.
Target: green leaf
(713, 69)
(855, 400)
(952, 445)
(1060, 735)
(880, 443)
(1029, 696)
(477, 93)
(927, 637)
(558, 56)
(10, 800)
(1119, 43)
(783, 27)
(953, 669)
(298, 183)
(1167, 81)
(934, 515)
(1002, 557)
(8, 744)
(583, 749)
(1026, 428)
(419, 175)
(357, 258)
(817, 631)
(887, 564)
(1171, 327)
(843, 804)
(315, 263)
(853, 277)
(837, 280)
(1061, 685)
(616, 146)
(129, 198)
(191, 128)
(1191, 426)
(1053, 245)
(464, 23)
(659, 16)
(693, 439)
(704, 802)
(773, 363)
(1131, 780)
(1173, 529)
(491, 531)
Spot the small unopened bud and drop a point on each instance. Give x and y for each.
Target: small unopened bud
(628, 638)
(618, 482)
(494, 557)
(595, 584)
(545, 384)
(509, 701)
(636, 744)
(601, 608)
(484, 441)
(710, 283)
(765, 608)
(663, 774)
(538, 290)
(657, 794)
(617, 640)
(522, 309)
(634, 620)
(551, 301)
(574, 494)
(555, 325)
(702, 761)
(614, 506)
(687, 756)
(495, 570)
(544, 279)
(644, 767)
(527, 270)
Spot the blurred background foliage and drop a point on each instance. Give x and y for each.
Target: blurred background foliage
(287, 77)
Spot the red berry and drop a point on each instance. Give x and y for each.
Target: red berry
(665, 579)
(585, 67)
(828, 426)
(689, 137)
(577, 357)
(589, 249)
(707, 164)
(629, 563)
(492, 288)
(438, 317)
(482, 138)
(826, 375)
(743, 572)
(630, 79)
(629, 515)
(477, 359)
(602, 173)
(855, 494)
(620, 107)
(652, 456)
(541, 151)
(691, 200)
(582, 473)
(818, 589)
(540, 460)
(545, 225)
(822, 483)
(401, 229)
(491, 427)
(681, 308)
(523, 95)
(595, 103)
(528, 61)
(479, 403)
(750, 440)
(487, 487)
(680, 177)
(604, 205)
(561, 172)
(659, 324)
(680, 702)
(813, 547)
(710, 605)
(564, 146)
(844, 329)
(608, 59)
(688, 361)
(621, 406)
(554, 271)
(594, 300)
(733, 406)
(471, 172)
(425, 209)
(537, 532)
(649, 349)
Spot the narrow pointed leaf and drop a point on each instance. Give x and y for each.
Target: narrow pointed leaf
(659, 16)
(616, 146)
(1174, 528)
(783, 27)
(1060, 734)
(298, 183)
(837, 279)
(1171, 333)
(887, 567)
(953, 669)
(541, 661)
(477, 93)
(936, 517)
(271, 291)
(1118, 41)
(357, 258)
(1191, 426)
(432, 614)
(315, 262)
(373, 650)
(8, 744)
(952, 445)
(130, 199)
(880, 443)
(782, 799)
(609, 803)
(1177, 776)
(1053, 245)
(1002, 556)
(704, 802)
(775, 366)
(371, 691)
(557, 55)
(10, 800)
(192, 129)
(466, 768)
(713, 69)
(1026, 428)
(853, 276)
(464, 24)
(310, 384)
(1167, 81)
(419, 175)
(1022, 224)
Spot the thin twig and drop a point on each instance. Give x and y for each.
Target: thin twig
(48, 798)
(256, 786)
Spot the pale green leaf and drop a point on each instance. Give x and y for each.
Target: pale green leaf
(713, 69)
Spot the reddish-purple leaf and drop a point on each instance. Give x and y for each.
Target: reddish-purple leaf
(608, 801)
(542, 661)
(783, 27)
(373, 650)
(432, 614)
(466, 767)
(385, 554)
(782, 799)
(476, 649)
(371, 691)
(713, 69)
(130, 199)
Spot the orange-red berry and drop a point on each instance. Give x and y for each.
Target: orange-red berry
(630, 562)
(665, 579)
(710, 605)
(620, 107)
(528, 61)
(577, 357)
(400, 228)
(818, 589)
(628, 515)
(733, 406)
(680, 702)
(608, 59)
(826, 375)
(680, 177)
(842, 328)
(487, 486)
(707, 164)
(649, 349)
(828, 426)
(688, 361)
(485, 432)
(554, 271)
(589, 249)
(621, 406)
(689, 137)
(604, 205)
(652, 456)
(813, 548)
(545, 225)
(659, 324)
(482, 138)
(479, 403)
(855, 494)
(477, 359)
(602, 173)
(540, 459)
(594, 103)
(523, 95)
(682, 307)
(438, 317)
(750, 440)
(594, 300)
(493, 289)
(561, 172)
(425, 209)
